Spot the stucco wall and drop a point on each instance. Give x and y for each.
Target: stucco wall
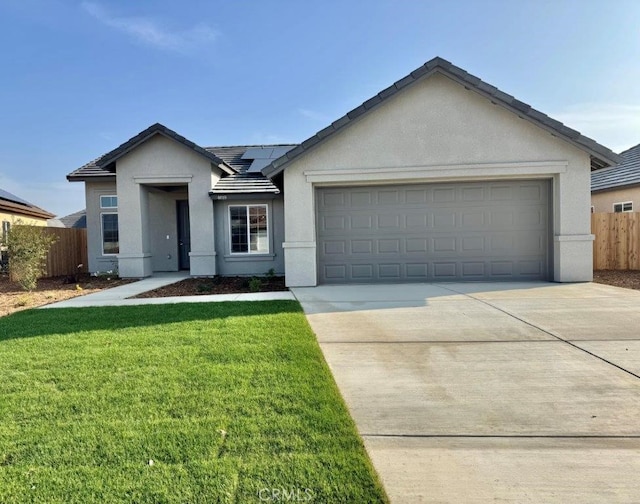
(93, 191)
(22, 219)
(603, 201)
(436, 130)
(251, 264)
(162, 161)
(163, 233)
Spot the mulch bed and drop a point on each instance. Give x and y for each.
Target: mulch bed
(629, 279)
(50, 290)
(216, 285)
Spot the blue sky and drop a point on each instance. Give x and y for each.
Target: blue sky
(80, 77)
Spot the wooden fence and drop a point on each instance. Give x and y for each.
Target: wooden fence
(617, 243)
(69, 251)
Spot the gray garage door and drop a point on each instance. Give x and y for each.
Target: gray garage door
(428, 232)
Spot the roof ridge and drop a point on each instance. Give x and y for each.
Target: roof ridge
(599, 153)
(629, 149)
(248, 146)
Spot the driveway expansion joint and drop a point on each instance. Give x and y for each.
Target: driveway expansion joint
(546, 331)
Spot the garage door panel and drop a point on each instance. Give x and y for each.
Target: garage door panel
(472, 231)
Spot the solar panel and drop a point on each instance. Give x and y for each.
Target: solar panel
(281, 151)
(8, 196)
(262, 156)
(258, 164)
(258, 153)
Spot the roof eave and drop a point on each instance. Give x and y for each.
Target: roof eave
(34, 212)
(617, 187)
(159, 129)
(87, 178)
(471, 82)
(238, 195)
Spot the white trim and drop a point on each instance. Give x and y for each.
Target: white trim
(622, 203)
(108, 196)
(574, 238)
(194, 253)
(295, 245)
(249, 252)
(163, 179)
(439, 172)
(102, 234)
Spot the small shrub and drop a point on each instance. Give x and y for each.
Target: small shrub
(255, 284)
(270, 274)
(108, 275)
(27, 248)
(205, 287)
(21, 301)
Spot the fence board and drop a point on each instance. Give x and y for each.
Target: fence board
(617, 242)
(634, 241)
(69, 251)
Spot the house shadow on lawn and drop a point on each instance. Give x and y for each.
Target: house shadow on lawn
(36, 322)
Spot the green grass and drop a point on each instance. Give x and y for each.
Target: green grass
(89, 396)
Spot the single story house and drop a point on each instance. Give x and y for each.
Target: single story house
(440, 176)
(14, 209)
(617, 189)
(75, 220)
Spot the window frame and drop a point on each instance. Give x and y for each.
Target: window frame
(108, 196)
(249, 252)
(622, 206)
(102, 214)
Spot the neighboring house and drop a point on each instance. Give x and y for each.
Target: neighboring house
(617, 189)
(441, 176)
(76, 220)
(14, 209)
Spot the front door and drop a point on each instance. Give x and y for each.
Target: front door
(184, 234)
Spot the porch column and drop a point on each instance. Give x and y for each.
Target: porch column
(300, 232)
(134, 259)
(572, 240)
(203, 248)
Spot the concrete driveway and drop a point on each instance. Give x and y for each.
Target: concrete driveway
(489, 392)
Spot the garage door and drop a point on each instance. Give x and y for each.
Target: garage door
(430, 232)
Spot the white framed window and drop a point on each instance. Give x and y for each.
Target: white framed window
(625, 206)
(109, 201)
(248, 229)
(110, 235)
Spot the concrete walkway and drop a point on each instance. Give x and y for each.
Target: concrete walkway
(489, 392)
(118, 296)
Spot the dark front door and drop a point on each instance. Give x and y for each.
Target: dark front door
(184, 234)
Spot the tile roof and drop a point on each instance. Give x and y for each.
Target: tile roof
(11, 203)
(75, 220)
(89, 171)
(242, 182)
(601, 156)
(102, 166)
(151, 131)
(624, 174)
(236, 183)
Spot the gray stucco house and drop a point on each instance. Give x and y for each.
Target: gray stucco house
(617, 189)
(441, 176)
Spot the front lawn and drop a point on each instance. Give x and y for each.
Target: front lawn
(185, 403)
